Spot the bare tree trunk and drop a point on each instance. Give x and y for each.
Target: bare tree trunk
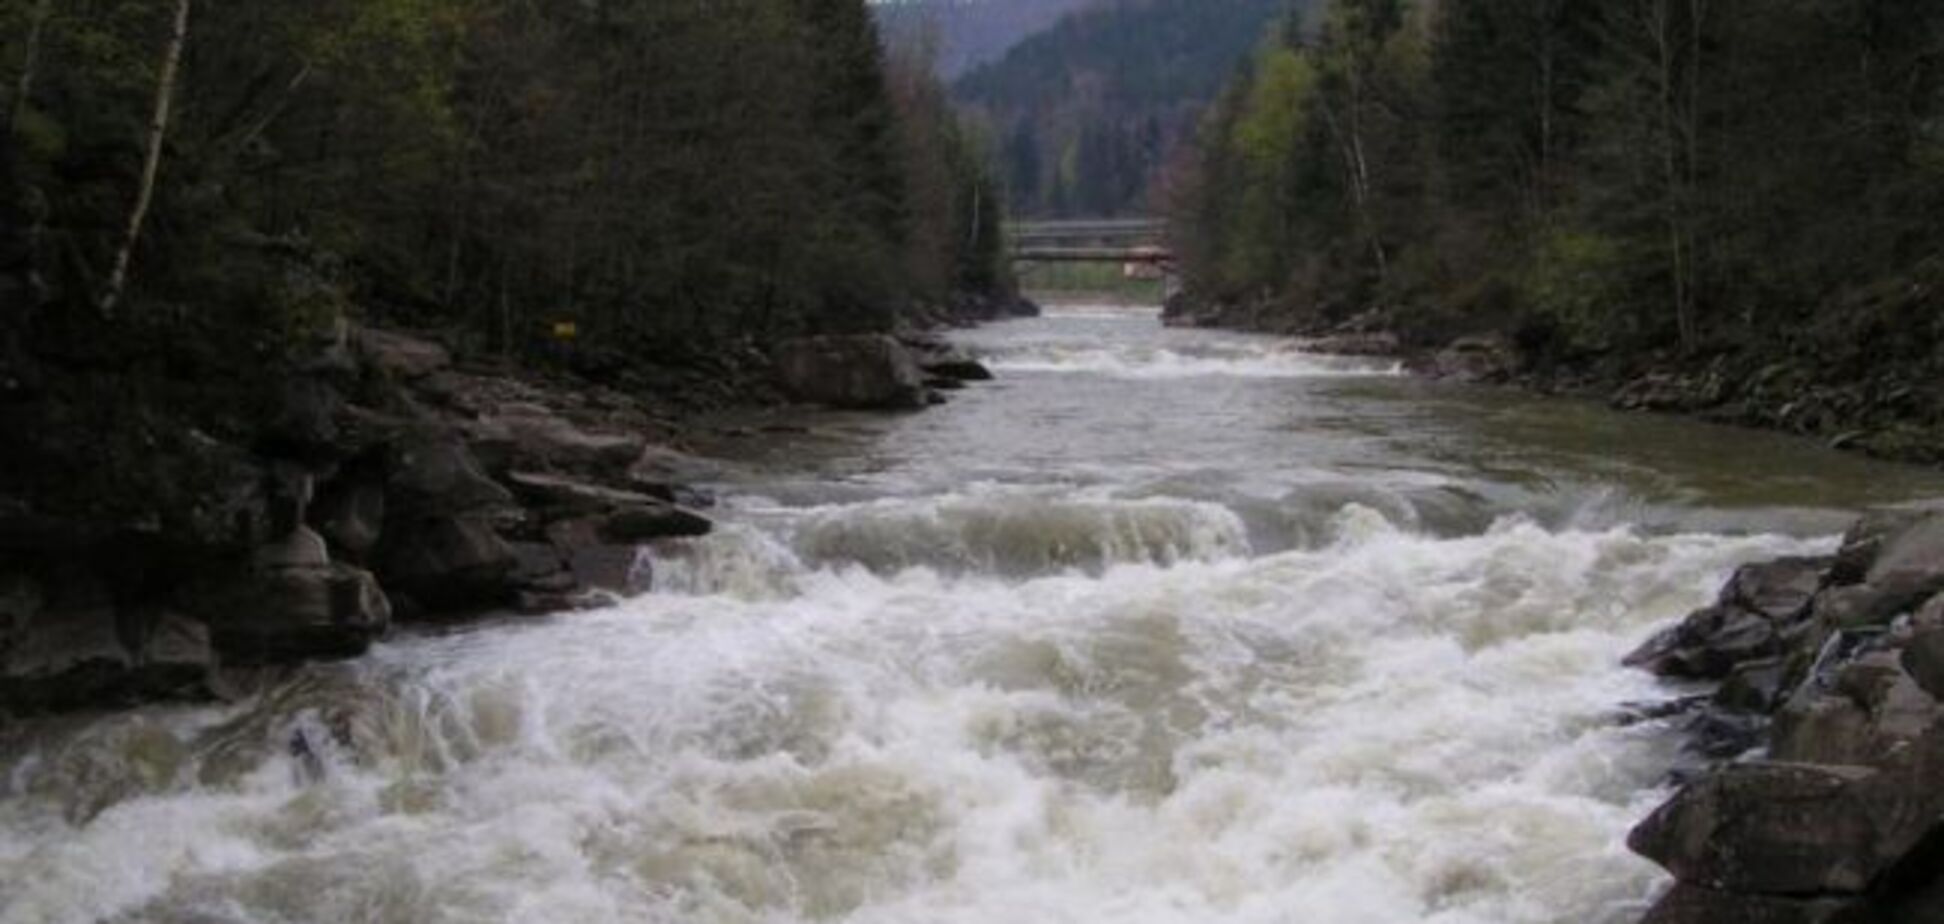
(1660, 22)
(1350, 148)
(1548, 65)
(152, 159)
(29, 60)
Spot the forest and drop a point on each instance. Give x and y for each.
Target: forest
(653, 176)
(1088, 112)
(1684, 180)
(968, 33)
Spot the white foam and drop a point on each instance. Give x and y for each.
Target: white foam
(1014, 531)
(1390, 728)
(1256, 359)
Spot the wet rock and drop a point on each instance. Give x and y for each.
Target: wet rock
(1660, 391)
(570, 497)
(1923, 659)
(333, 611)
(1846, 818)
(1862, 606)
(305, 421)
(1361, 343)
(1872, 710)
(539, 568)
(957, 368)
(1718, 735)
(301, 548)
(403, 357)
(432, 473)
(350, 514)
(1822, 728)
(1768, 828)
(1691, 904)
(21, 600)
(1757, 616)
(174, 656)
(1865, 538)
(598, 563)
(539, 439)
(1911, 560)
(1755, 686)
(867, 372)
(648, 522)
(1707, 645)
(65, 649)
(1489, 359)
(290, 603)
(447, 564)
(1779, 589)
(663, 465)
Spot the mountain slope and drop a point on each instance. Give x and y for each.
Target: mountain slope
(1089, 111)
(968, 33)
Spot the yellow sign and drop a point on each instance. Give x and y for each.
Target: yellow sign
(565, 330)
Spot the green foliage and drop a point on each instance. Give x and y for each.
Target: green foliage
(654, 171)
(1571, 285)
(1628, 176)
(1094, 107)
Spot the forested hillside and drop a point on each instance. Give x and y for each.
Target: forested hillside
(1089, 111)
(968, 33)
(1748, 196)
(652, 172)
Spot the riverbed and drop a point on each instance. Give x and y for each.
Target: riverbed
(1161, 626)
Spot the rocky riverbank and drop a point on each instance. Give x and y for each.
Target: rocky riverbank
(1816, 791)
(148, 552)
(1872, 382)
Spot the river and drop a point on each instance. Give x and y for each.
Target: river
(1162, 626)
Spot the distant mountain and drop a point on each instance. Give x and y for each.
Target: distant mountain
(967, 33)
(1088, 111)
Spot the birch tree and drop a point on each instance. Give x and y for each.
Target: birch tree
(158, 129)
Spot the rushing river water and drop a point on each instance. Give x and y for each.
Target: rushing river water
(1163, 626)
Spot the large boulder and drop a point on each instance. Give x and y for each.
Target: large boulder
(291, 603)
(1769, 828)
(1757, 615)
(597, 561)
(62, 649)
(447, 564)
(864, 372)
(1911, 560)
(401, 356)
(350, 513)
(1691, 904)
(1491, 359)
(433, 474)
(1865, 539)
(1871, 711)
(1844, 819)
(1923, 659)
(530, 436)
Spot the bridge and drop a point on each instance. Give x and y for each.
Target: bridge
(1127, 241)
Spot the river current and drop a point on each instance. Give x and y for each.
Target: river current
(1162, 626)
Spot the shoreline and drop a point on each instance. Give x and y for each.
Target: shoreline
(1750, 390)
(381, 478)
(1812, 782)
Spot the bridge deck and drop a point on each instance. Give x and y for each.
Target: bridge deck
(1149, 255)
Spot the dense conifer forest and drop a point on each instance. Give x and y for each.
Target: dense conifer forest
(968, 33)
(1090, 111)
(1749, 196)
(653, 173)
(1644, 173)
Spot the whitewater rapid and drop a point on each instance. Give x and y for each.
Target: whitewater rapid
(932, 671)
